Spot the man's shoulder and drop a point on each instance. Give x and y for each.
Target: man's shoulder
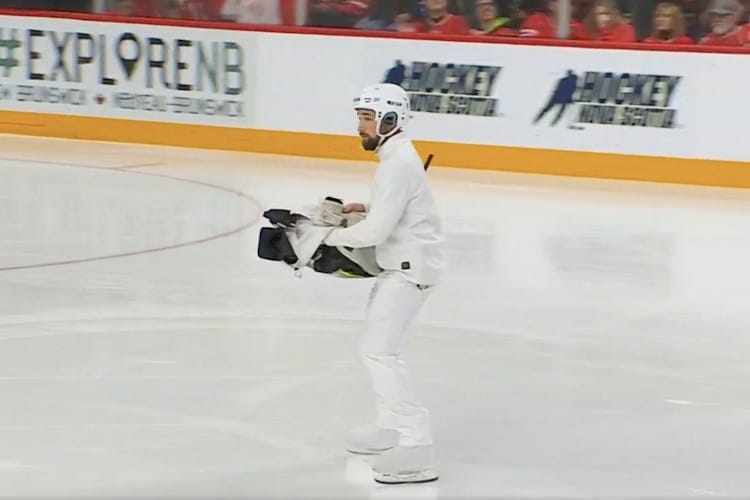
(403, 158)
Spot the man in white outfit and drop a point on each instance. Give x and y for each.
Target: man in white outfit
(402, 223)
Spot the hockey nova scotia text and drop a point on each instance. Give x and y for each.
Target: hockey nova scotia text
(452, 89)
(611, 98)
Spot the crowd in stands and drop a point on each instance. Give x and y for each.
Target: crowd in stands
(706, 22)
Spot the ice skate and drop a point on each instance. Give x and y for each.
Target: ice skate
(371, 440)
(405, 464)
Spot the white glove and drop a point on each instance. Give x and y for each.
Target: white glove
(329, 213)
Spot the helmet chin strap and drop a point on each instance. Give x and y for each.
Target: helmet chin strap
(384, 138)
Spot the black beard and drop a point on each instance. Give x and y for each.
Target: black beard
(370, 143)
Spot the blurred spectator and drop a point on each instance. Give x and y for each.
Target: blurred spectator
(642, 16)
(724, 17)
(669, 25)
(390, 15)
(605, 23)
(337, 13)
(489, 20)
(213, 8)
(168, 9)
(692, 12)
(124, 8)
(463, 8)
(180, 9)
(380, 16)
(520, 10)
(252, 11)
(543, 24)
(580, 9)
(404, 22)
(438, 20)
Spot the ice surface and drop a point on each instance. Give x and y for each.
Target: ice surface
(590, 339)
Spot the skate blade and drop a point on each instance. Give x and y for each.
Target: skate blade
(367, 452)
(423, 476)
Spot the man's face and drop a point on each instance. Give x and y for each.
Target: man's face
(552, 7)
(722, 23)
(663, 20)
(603, 17)
(486, 11)
(367, 129)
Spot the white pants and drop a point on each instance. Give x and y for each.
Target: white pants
(394, 302)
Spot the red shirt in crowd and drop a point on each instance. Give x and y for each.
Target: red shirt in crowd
(451, 24)
(684, 39)
(213, 8)
(738, 37)
(194, 9)
(350, 8)
(540, 25)
(190, 9)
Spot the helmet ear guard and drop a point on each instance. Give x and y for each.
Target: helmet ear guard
(388, 123)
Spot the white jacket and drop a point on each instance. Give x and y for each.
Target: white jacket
(402, 220)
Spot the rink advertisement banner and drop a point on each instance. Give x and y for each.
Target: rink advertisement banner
(604, 101)
(125, 71)
(292, 92)
(453, 87)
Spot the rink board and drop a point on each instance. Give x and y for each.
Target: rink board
(643, 115)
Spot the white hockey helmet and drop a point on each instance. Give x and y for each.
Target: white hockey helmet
(391, 106)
